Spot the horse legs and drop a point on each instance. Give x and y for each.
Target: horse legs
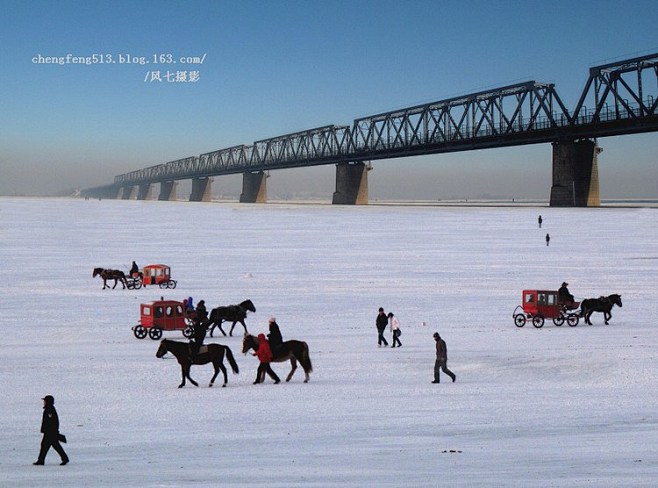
(607, 316)
(588, 314)
(293, 368)
(185, 371)
(243, 325)
(104, 283)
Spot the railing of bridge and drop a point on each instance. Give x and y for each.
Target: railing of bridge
(523, 113)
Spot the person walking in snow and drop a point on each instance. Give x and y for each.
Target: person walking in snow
(50, 431)
(264, 354)
(539, 220)
(441, 363)
(548, 239)
(381, 322)
(395, 329)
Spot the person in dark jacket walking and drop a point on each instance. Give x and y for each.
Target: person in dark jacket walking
(441, 363)
(548, 239)
(381, 322)
(264, 354)
(539, 221)
(274, 337)
(50, 431)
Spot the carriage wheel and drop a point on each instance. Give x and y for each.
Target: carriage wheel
(519, 320)
(155, 333)
(137, 285)
(130, 285)
(163, 284)
(573, 319)
(188, 331)
(171, 284)
(140, 331)
(559, 320)
(538, 321)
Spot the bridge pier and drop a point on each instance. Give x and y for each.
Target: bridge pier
(128, 193)
(201, 190)
(575, 174)
(351, 184)
(168, 191)
(145, 192)
(254, 187)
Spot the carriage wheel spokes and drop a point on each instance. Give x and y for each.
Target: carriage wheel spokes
(538, 321)
(188, 331)
(140, 331)
(519, 320)
(572, 319)
(155, 333)
(171, 284)
(559, 320)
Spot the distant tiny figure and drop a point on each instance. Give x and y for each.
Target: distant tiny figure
(395, 329)
(134, 270)
(274, 337)
(381, 322)
(564, 297)
(540, 221)
(441, 363)
(264, 354)
(548, 239)
(190, 303)
(50, 431)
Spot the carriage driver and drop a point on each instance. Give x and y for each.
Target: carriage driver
(198, 334)
(564, 297)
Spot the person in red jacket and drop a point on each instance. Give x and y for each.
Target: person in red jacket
(264, 354)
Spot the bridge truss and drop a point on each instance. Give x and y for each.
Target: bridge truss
(623, 99)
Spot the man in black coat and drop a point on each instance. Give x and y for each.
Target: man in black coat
(50, 431)
(382, 323)
(274, 337)
(441, 363)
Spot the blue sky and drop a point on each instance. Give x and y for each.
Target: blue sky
(276, 67)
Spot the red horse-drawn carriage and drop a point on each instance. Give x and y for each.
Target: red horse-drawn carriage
(539, 305)
(153, 274)
(162, 315)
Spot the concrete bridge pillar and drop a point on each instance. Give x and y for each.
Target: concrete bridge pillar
(201, 190)
(145, 192)
(168, 191)
(351, 184)
(254, 187)
(128, 193)
(575, 174)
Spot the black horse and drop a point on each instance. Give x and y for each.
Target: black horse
(208, 353)
(289, 350)
(110, 274)
(232, 313)
(601, 304)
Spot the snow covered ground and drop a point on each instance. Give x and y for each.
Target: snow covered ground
(556, 406)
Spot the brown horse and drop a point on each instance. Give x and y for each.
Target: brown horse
(288, 350)
(231, 313)
(110, 274)
(209, 353)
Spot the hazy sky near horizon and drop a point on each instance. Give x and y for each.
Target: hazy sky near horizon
(275, 67)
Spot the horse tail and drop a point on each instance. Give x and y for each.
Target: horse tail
(306, 359)
(231, 360)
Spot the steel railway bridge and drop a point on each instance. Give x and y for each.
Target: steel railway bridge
(618, 98)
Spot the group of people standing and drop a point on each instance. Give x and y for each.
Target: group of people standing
(441, 363)
(382, 322)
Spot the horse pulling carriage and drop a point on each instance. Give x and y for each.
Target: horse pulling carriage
(539, 305)
(153, 274)
(162, 315)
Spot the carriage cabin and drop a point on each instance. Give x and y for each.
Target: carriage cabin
(164, 314)
(541, 302)
(154, 274)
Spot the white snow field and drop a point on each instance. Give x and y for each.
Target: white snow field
(556, 406)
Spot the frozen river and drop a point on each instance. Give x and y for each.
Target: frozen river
(556, 406)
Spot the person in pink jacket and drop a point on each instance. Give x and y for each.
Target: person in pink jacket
(264, 354)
